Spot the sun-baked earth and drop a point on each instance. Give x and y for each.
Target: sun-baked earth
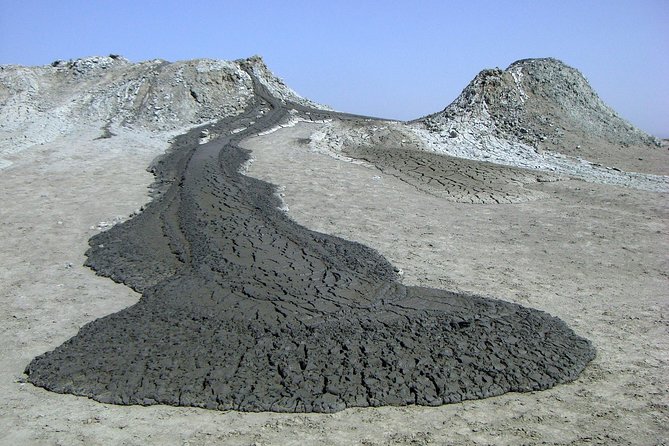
(591, 254)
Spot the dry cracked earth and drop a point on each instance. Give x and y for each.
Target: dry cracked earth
(244, 309)
(334, 303)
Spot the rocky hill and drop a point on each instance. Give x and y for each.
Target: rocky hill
(536, 105)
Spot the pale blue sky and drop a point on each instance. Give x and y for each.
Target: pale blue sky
(394, 59)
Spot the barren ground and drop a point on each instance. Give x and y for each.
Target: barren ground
(592, 255)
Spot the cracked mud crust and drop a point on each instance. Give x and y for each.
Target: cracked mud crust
(456, 179)
(244, 309)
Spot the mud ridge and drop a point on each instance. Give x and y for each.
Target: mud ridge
(244, 309)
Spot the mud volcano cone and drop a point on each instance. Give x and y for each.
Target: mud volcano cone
(244, 309)
(539, 104)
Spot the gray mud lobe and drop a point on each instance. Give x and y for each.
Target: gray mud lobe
(244, 309)
(455, 179)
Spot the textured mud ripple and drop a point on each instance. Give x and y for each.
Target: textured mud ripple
(244, 309)
(455, 179)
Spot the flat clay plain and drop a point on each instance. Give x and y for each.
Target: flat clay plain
(592, 255)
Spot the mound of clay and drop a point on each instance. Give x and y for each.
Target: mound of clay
(244, 309)
(540, 104)
(43, 103)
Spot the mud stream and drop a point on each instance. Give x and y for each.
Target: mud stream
(244, 309)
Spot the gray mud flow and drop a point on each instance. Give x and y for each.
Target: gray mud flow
(450, 178)
(244, 309)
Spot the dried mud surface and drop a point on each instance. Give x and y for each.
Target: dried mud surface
(593, 255)
(456, 179)
(244, 309)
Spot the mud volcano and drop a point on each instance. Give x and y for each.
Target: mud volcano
(244, 309)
